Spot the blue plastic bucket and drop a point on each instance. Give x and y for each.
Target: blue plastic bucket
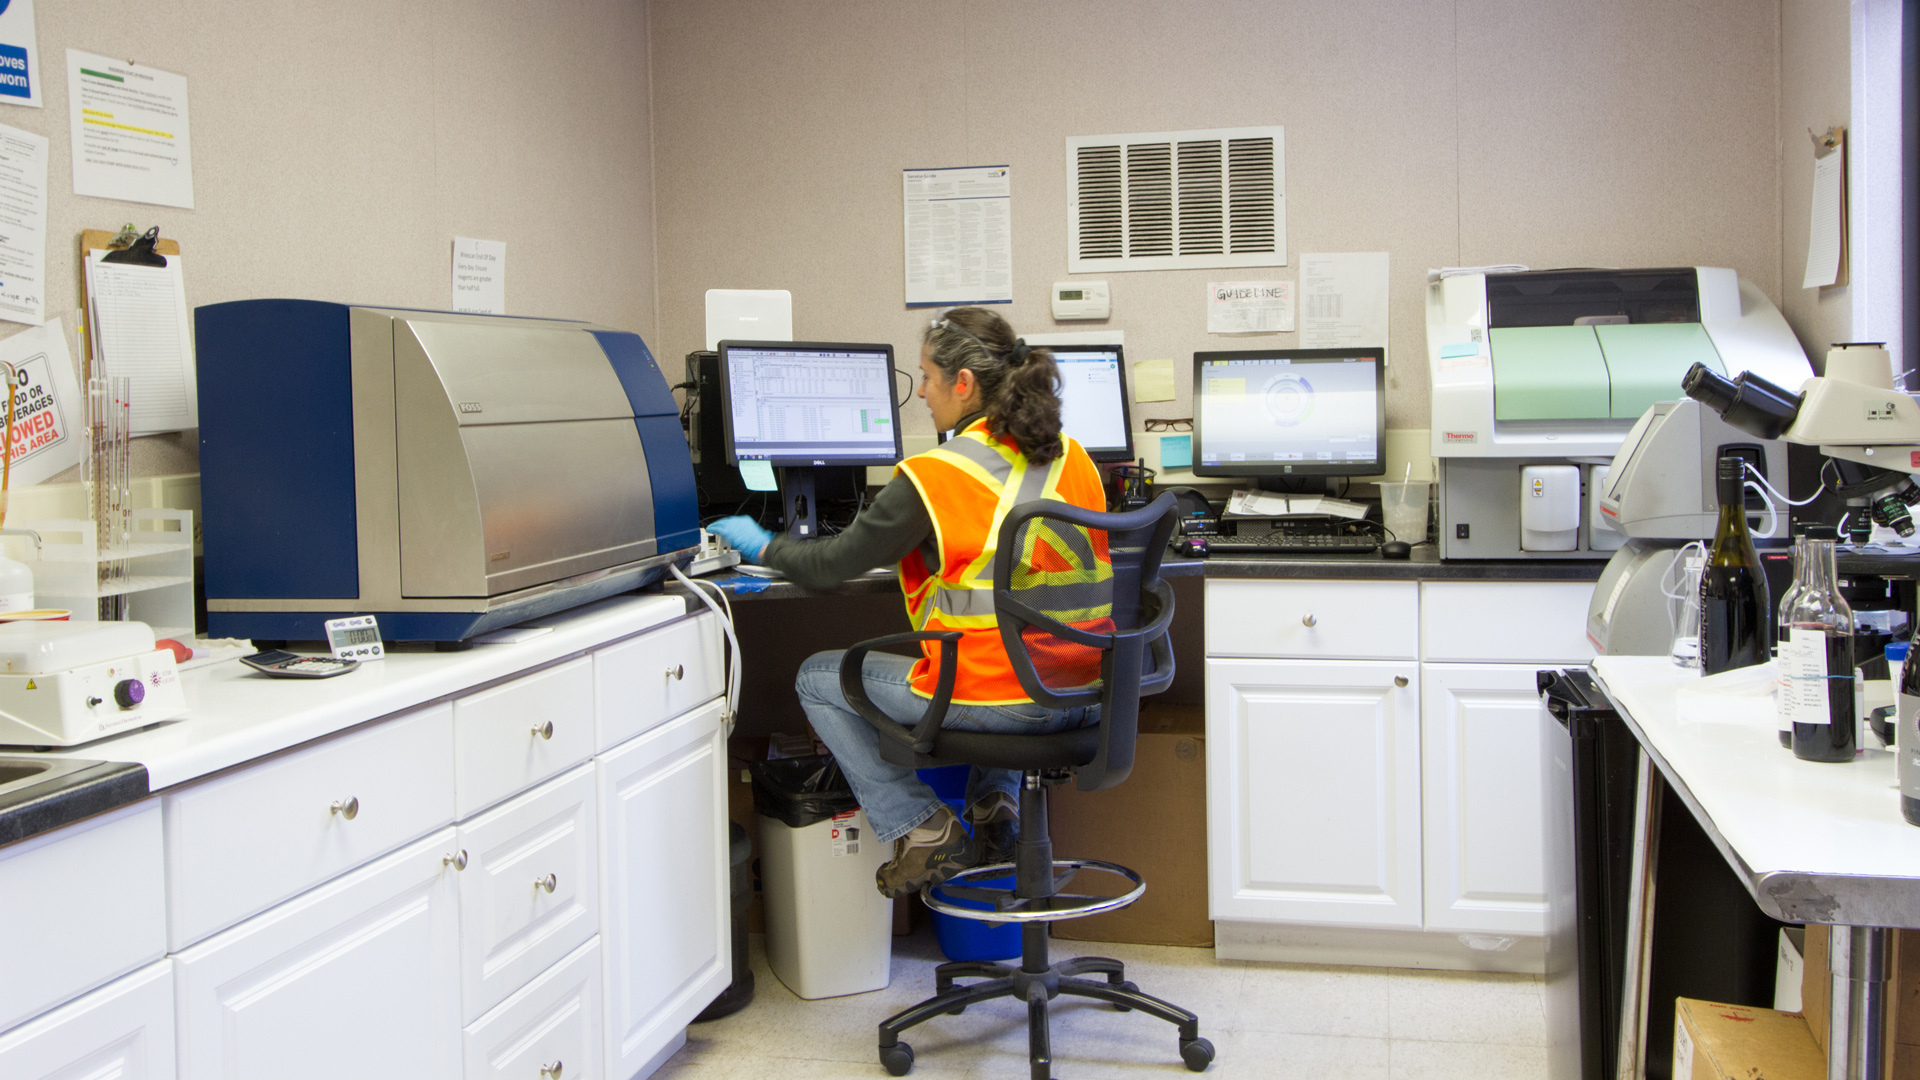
(968, 939)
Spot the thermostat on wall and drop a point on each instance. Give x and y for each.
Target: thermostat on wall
(1081, 300)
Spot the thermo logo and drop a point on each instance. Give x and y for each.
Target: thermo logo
(1454, 438)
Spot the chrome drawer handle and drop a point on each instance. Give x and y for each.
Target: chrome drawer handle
(545, 730)
(457, 860)
(1400, 681)
(677, 672)
(1309, 620)
(552, 1072)
(549, 883)
(349, 809)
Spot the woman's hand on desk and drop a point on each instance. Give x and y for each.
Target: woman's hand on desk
(743, 534)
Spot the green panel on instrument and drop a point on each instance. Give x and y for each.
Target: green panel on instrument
(1548, 373)
(1647, 360)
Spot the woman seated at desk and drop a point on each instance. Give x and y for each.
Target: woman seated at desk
(935, 519)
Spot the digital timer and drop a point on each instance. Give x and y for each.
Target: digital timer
(356, 637)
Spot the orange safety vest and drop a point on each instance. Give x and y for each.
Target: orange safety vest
(969, 484)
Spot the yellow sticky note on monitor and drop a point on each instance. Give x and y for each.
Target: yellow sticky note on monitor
(758, 476)
(1153, 380)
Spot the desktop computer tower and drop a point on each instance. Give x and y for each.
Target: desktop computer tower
(721, 488)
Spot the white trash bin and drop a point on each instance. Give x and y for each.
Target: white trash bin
(829, 931)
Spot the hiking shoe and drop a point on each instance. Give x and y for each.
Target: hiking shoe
(996, 825)
(933, 852)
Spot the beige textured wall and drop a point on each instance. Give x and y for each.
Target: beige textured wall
(1547, 132)
(1815, 94)
(339, 147)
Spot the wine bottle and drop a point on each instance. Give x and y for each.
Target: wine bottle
(1906, 741)
(1736, 623)
(1816, 659)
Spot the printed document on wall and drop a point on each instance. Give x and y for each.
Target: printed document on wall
(1250, 307)
(480, 276)
(1343, 300)
(48, 412)
(1827, 235)
(129, 134)
(20, 74)
(959, 232)
(140, 331)
(23, 226)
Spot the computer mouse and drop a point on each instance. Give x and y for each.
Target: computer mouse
(1396, 549)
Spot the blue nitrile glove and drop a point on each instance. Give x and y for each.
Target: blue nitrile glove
(744, 535)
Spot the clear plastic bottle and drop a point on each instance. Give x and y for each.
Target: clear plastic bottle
(1817, 658)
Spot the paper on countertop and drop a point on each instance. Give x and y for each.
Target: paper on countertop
(1462, 271)
(48, 412)
(1176, 451)
(1826, 239)
(1248, 503)
(1153, 380)
(1743, 696)
(1343, 300)
(140, 331)
(758, 476)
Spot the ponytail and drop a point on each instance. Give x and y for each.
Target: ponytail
(1019, 385)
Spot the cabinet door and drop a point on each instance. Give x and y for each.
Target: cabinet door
(665, 928)
(1313, 791)
(548, 1029)
(1485, 859)
(122, 1030)
(641, 682)
(358, 978)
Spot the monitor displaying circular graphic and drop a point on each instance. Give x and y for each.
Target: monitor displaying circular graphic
(1279, 412)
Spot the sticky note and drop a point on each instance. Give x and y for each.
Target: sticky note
(1153, 380)
(1459, 348)
(758, 475)
(1176, 451)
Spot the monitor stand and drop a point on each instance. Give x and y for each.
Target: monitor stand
(1293, 485)
(798, 505)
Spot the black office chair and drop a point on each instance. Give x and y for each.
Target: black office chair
(1043, 564)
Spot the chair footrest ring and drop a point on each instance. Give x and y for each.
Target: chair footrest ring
(1007, 907)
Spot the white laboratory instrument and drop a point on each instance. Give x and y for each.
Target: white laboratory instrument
(66, 683)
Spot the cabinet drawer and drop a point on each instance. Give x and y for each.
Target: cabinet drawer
(530, 892)
(79, 906)
(123, 1029)
(239, 843)
(1506, 622)
(641, 682)
(550, 1028)
(1362, 620)
(502, 742)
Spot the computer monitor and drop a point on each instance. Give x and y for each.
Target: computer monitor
(1093, 399)
(1271, 414)
(809, 403)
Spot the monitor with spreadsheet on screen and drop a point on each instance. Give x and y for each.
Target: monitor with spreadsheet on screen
(809, 403)
(1093, 399)
(1274, 413)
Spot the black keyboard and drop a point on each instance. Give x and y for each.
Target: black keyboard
(1293, 542)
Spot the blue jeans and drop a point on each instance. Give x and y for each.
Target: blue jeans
(894, 796)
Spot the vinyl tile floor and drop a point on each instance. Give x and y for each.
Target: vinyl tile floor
(1279, 1021)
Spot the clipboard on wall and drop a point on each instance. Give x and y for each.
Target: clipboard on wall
(138, 326)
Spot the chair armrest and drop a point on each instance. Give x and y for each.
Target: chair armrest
(855, 688)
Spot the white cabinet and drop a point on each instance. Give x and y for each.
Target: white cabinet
(530, 890)
(123, 1030)
(358, 978)
(548, 1030)
(642, 681)
(1313, 791)
(78, 907)
(512, 736)
(665, 925)
(1480, 734)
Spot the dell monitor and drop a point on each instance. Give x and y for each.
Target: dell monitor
(804, 405)
(1093, 399)
(1277, 415)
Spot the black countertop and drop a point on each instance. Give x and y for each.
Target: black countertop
(67, 792)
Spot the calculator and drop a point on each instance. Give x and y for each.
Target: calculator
(286, 665)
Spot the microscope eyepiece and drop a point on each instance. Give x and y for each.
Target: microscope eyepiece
(1747, 401)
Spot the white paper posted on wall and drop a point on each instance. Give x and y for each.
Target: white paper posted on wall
(140, 331)
(23, 226)
(129, 131)
(1250, 307)
(959, 235)
(1343, 300)
(48, 412)
(479, 276)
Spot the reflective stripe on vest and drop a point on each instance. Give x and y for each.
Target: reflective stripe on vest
(969, 485)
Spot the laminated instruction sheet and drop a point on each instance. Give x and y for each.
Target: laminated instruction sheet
(959, 236)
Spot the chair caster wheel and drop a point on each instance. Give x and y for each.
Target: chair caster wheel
(898, 1058)
(1131, 987)
(1197, 1053)
(956, 1010)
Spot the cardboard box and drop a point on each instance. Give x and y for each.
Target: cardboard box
(1735, 1042)
(1903, 998)
(1154, 823)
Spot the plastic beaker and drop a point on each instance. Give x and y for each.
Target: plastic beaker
(1403, 506)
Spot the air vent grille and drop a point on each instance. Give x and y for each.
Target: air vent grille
(1177, 200)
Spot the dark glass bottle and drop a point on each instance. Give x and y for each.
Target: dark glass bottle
(1816, 659)
(1906, 742)
(1736, 616)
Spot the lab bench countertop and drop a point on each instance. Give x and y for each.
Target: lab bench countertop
(236, 715)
